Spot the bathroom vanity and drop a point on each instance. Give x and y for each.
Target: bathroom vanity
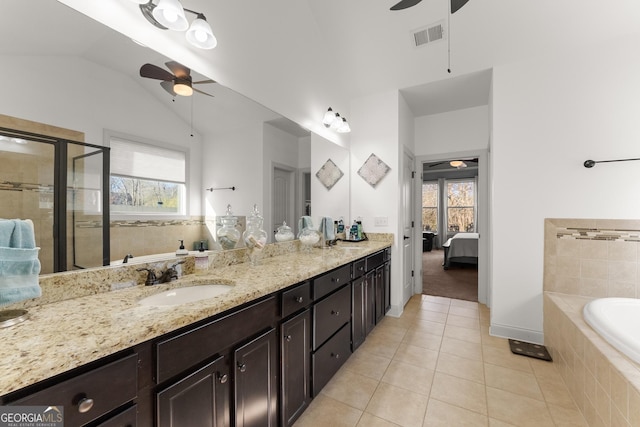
(254, 356)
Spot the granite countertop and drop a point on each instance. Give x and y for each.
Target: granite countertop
(63, 335)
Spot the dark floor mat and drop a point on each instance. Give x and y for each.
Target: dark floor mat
(528, 349)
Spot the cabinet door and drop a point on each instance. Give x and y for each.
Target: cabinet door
(358, 331)
(256, 387)
(379, 287)
(296, 366)
(199, 399)
(370, 302)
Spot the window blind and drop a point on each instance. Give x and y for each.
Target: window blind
(144, 161)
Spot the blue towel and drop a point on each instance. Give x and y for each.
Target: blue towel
(19, 264)
(326, 228)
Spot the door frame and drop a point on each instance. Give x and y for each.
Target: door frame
(484, 198)
(409, 162)
(294, 192)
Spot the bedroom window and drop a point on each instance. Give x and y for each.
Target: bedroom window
(146, 179)
(461, 205)
(430, 206)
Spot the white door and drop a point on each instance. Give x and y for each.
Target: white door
(408, 222)
(283, 197)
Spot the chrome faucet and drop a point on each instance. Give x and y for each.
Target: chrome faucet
(126, 258)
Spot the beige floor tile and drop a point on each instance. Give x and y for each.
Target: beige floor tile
(555, 391)
(566, 417)
(517, 409)
(379, 346)
(502, 356)
(492, 341)
(465, 304)
(463, 334)
(409, 377)
(434, 316)
(324, 411)
(367, 364)
(435, 306)
(404, 321)
(461, 367)
(351, 388)
(471, 313)
(461, 348)
(392, 334)
(464, 322)
(429, 326)
(436, 299)
(459, 392)
(518, 382)
(441, 414)
(497, 423)
(398, 405)
(423, 339)
(368, 420)
(420, 357)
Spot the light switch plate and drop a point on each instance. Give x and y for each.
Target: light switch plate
(381, 221)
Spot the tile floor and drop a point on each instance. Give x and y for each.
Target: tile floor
(436, 365)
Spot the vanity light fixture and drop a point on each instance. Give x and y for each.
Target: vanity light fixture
(170, 15)
(333, 121)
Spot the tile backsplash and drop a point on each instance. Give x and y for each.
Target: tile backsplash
(592, 258)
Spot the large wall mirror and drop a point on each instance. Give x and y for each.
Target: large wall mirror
(74, 73)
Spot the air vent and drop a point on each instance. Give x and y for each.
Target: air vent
(429, 34)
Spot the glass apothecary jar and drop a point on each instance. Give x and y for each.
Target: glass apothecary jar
(308, 235)
(284, 233)
(228, 234)
(255, 238)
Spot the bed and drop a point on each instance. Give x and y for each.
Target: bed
(461, 248)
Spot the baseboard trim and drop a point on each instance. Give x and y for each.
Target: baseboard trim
(525, 335)
(395, 311)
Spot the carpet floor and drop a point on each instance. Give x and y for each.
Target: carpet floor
(460, 281)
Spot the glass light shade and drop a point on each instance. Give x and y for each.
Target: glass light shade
(457, 164)
(344, 126)
(337, 122)
(183, 89)
(328, 118)
(200, 34)
(140, 1)
(171, 14)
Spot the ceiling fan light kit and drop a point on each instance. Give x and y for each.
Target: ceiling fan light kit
(170, 15)
(178, 82)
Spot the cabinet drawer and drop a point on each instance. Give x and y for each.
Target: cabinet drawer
(126, 418)
(375, 260)
(329, 358)
(330, 314)
(358, 268)
(296, 299)
(109, 387)
(328, 282)
(182, 352)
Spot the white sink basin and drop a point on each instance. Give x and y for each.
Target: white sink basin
(184, 295)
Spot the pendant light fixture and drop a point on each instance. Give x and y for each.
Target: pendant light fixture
(170, 15)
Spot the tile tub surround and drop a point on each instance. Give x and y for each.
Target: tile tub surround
(63, 335)
(586, 259)
(604, 383)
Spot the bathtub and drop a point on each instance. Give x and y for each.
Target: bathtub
(617, 320)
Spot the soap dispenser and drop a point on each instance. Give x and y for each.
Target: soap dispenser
(181, 250)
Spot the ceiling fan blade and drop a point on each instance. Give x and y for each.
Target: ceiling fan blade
(457, 4)
(404, 4)
(168, 86)
(436, 164)
(204, 81)
(204, 93)
(178, 69)
(154, 72)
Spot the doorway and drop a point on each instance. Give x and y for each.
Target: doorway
(283, 202)
(456, 201)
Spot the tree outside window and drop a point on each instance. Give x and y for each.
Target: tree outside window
(430, 206)
(460, 206)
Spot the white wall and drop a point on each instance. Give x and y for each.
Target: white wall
(549, 116)
(94, 99)
(454, 131)
(375, 129)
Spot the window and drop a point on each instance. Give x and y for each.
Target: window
(146, 179)
(430, 205)
(461, 196)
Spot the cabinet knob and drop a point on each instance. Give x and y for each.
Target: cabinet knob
(84, 405)
(222, 378)
(242, 367)
(335, 355)
(299, 299)
(335, 279)
(335, 312)
(288, 338)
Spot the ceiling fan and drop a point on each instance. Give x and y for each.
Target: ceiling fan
(456, 163)
(405, 4)
(178, 83)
